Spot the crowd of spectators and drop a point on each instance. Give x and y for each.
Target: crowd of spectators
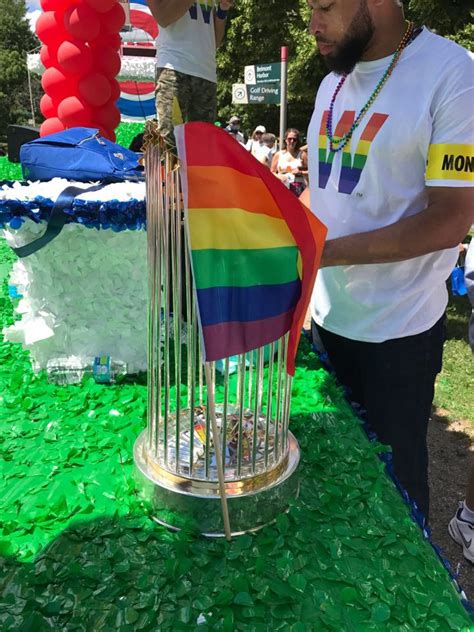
(289, 163)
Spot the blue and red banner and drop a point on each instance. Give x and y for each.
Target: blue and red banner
(137, 98)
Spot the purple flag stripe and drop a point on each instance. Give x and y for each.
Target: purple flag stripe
(225, 339)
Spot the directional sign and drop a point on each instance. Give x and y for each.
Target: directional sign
(256, 94)
(262, 73)
(239, 93)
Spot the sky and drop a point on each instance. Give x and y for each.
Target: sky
(33, 9)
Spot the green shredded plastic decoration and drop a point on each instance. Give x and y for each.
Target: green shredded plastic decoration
(78, 550)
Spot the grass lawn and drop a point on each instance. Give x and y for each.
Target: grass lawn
(455, 385)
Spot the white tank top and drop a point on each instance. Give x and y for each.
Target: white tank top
(286, 162)
(189, 44)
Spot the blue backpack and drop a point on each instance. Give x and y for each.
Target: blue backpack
(80, 154)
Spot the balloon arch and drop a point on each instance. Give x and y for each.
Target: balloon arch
(80, 53)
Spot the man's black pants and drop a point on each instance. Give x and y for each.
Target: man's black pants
(394, 382)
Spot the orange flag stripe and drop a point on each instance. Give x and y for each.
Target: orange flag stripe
(224, 187)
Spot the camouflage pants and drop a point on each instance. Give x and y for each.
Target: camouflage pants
(181, 98)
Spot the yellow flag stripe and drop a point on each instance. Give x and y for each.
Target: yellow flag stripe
(236, 229)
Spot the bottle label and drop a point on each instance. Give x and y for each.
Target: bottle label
(13, 292)
(101, 370)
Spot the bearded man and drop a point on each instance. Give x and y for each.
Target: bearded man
(391, 174)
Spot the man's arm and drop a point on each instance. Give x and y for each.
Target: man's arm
(166, 12)
(219, 22)
(443, 224)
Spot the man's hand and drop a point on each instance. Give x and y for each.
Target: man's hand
(219, 23)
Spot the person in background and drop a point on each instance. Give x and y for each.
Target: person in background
(290, 164)
(268, 141)
(461, 526)
(233, 128)
(255, 143)
(189, 34)
(137, 143)
(391, 177)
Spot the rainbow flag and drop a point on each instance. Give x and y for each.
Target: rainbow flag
(255, 248)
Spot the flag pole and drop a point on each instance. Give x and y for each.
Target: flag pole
(283, 93)
(217, 450)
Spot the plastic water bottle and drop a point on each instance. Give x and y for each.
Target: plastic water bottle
(72, 369)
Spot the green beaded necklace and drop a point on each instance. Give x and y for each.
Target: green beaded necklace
(338, 144)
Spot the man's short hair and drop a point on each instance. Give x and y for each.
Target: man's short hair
(268, 139)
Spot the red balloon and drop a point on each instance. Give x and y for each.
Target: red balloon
(113, 40)
(57, 84)
(107, 62)
(115, 90)
(48, 107)
(106, 133)
(75, 58)
(108, 116)
(95, 89)
(48, 56)
(49, 28)
(53, 5)
(82, 22)
(101, 6)
(110, 134)
(113, 20)
(51, 126)
(74, 112)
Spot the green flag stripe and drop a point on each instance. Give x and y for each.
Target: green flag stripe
(244, 268)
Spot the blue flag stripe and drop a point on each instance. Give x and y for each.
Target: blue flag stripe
(245, 304)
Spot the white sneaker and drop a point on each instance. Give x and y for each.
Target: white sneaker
(462, 532)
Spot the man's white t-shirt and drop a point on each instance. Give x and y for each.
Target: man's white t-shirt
(418, 133)
(189, 44)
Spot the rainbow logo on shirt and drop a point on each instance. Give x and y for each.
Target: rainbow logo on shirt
(206, 9)
(352, 166)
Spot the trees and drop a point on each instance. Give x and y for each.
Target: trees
(257, 30)
(255, 35)
(446, 17)
(15, 40)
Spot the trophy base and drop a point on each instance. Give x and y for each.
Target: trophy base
(253, 502)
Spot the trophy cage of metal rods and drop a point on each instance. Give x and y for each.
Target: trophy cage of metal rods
(174, 456)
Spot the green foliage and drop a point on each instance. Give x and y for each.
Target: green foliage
(257, 30)
(255, 35)
(15, 41)
(446, 17)
(465, 37)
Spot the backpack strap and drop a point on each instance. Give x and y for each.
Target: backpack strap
(56, 220)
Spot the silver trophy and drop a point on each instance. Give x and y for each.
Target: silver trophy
(217, 454)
